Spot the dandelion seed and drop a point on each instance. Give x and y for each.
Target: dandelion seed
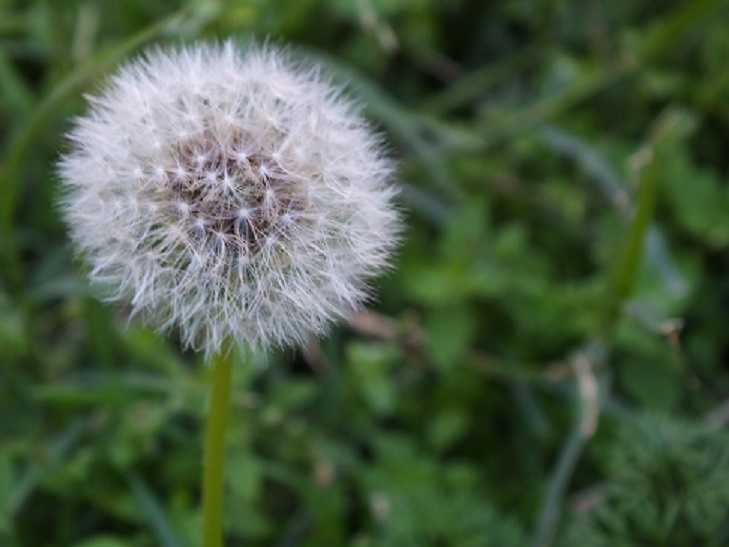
(234, 195)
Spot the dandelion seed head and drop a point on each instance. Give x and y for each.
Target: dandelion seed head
(229, 194)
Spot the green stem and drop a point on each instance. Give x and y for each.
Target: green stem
(569, 457)
(631, 253)
(670, 125)
(567, 462)
(214, 458)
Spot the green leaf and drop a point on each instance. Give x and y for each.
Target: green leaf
(449, 334)
(243, 475)
(370, 365)
(447, 427)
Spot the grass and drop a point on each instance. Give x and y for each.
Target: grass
(563, 168)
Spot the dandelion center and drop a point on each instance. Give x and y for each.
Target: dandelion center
(229, 201)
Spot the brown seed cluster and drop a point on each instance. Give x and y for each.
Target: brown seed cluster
(231, 201)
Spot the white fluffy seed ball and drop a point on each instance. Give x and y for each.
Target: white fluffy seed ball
(234, 195)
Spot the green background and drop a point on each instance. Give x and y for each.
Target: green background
(544, 365)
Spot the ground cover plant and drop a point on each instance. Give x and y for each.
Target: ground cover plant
(544, 364)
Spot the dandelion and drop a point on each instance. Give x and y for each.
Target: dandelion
(233, 195)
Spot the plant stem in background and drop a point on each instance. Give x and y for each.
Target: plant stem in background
(569, 457)
(668, 125)
(214, 456)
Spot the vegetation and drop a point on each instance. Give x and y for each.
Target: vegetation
(544, 365)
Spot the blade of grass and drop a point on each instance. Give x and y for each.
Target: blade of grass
(18, 95)
(616, 192)
(103, 389)
(569, 456)
(152, 510)
(664, 32)
(625, 270)
(473, 85)
(540, 111)
(590, 161)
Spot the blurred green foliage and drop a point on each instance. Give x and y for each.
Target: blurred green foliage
(667, 483)
(564, 175)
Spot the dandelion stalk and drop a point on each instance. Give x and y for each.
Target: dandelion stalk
(214, 455)
(235, 196)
